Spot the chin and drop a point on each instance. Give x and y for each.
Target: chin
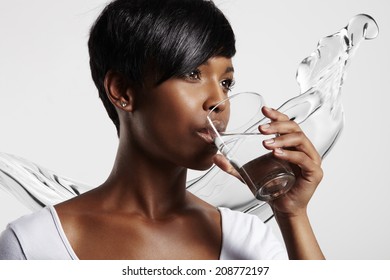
(202, 165)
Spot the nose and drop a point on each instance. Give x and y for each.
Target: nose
(215, 97)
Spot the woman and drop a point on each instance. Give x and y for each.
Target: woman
(159, 67)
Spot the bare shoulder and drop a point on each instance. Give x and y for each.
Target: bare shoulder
(209, 211)
(200, 202)
(75, 206)
(74, 212)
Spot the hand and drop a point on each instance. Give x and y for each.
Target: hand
(292, 145)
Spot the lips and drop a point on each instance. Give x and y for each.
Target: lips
(207, 135)
(211, 130)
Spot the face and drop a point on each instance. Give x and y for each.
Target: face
(169, 121)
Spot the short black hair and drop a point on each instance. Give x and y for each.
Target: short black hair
(171, 37)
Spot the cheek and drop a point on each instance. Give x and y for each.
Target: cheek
(168, 126)
(179, 110)
(177, 123)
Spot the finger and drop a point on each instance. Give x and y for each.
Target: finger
(298, 141)
(225, 165)
(279, 127)
(274, 115)
(309, 169)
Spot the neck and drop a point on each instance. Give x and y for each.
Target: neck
(139, 183)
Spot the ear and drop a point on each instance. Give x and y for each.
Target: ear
(119, 91)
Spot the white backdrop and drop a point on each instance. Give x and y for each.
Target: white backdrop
(51, 115)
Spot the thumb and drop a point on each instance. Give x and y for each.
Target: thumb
(225, 165)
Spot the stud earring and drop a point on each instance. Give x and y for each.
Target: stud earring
(123, 104)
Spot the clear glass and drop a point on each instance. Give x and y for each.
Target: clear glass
(233, 124)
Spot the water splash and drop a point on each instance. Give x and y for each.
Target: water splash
(34, 185)
(318, 109)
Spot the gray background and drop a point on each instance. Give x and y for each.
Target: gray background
(50, 113)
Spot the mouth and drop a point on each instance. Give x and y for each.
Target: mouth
(211, 131)
(207, 135)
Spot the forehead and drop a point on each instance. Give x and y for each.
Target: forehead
(220, 64)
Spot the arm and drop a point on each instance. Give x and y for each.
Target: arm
(299, 238)
(292, 145)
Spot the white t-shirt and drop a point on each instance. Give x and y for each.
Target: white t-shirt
(40, 236)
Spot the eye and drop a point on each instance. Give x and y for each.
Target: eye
(194, 75)
(228, 84)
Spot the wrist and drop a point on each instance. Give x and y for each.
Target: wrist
(297, 214)
(298, 235)
(292, 222)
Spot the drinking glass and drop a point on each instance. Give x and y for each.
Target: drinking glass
(233, 124)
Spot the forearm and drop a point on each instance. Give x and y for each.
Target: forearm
(299, 237)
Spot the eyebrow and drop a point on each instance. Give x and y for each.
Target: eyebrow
(229, 69)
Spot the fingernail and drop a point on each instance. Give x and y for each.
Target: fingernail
(265, 126)
(267, 108)
(279, 151)
(269, 141)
